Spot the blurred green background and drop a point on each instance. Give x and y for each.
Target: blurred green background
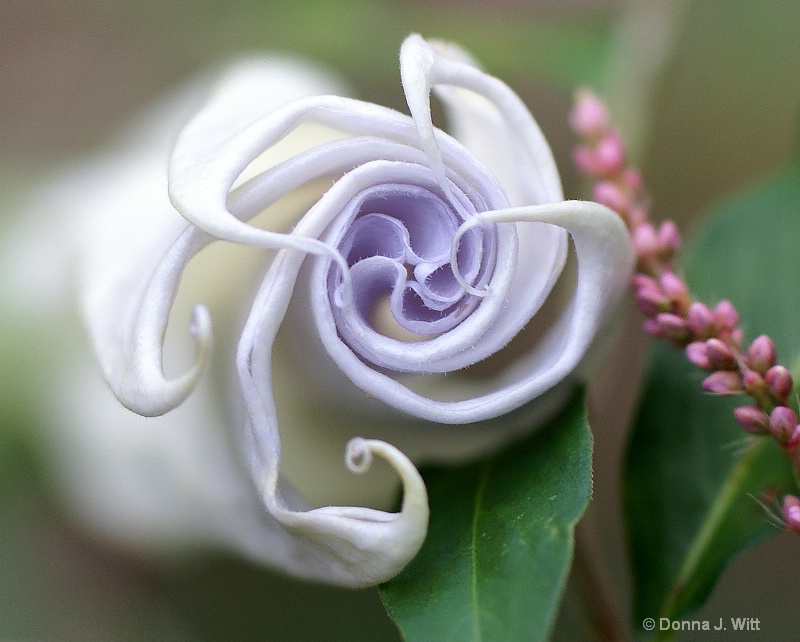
(707, 92)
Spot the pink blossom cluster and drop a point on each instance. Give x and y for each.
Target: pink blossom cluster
(711, 338)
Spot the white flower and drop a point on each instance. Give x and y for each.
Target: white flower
(399, 306)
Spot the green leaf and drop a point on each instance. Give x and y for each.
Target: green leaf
(499, 545)
(693, 481)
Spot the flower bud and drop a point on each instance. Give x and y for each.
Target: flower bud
(725, 316)
(608, 194)
(652, 327)
(791, 513)
(780, 383)
(752, 419)
(782, 422)
(673, 327)
(589, 117)
(753, 383)
(610, 154)
(637, 217)
(720, 355)
(794, 441)
(723, 382)
(696, 353)
(651, 301)
(632, 179)
(700, 319)
(645, 242)
(675, 289)
(585, 161)
(669, 237)
(761, 354)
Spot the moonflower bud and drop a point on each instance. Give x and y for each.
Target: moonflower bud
(390, 256)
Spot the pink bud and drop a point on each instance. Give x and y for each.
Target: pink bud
(700, 319)
(780, 383)
(752, 419)
(652, 327)
(791, 513)
(585, 161)
(611, 196)
(610, 154)
(637, 217)
(761, 354)
(725, 315)
(723, 382)
(696, 353)
(651, 301)
(645, 241)
(782, 421)
(673, 287)
(753, 383)
(644, 281)
(669, 237)
(589, 117)
(673, 327)
(794, 440)
(720, 355)
(632, 179)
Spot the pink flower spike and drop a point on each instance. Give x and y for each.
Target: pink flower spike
(700, 319)
(723, 382)
(589, 117)
(725, 315)
(752, 419)
(720, 355)
(761, 354)
(780, 383)
(697, 354)
(782, 422)
(791, 513)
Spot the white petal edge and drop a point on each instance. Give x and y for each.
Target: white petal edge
(422, 67)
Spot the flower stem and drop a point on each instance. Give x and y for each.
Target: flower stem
(601, 608)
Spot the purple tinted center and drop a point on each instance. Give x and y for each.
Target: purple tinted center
(399, 245)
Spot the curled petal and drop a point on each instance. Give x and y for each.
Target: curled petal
(361, 547)
(133, 261)
(489, 118)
